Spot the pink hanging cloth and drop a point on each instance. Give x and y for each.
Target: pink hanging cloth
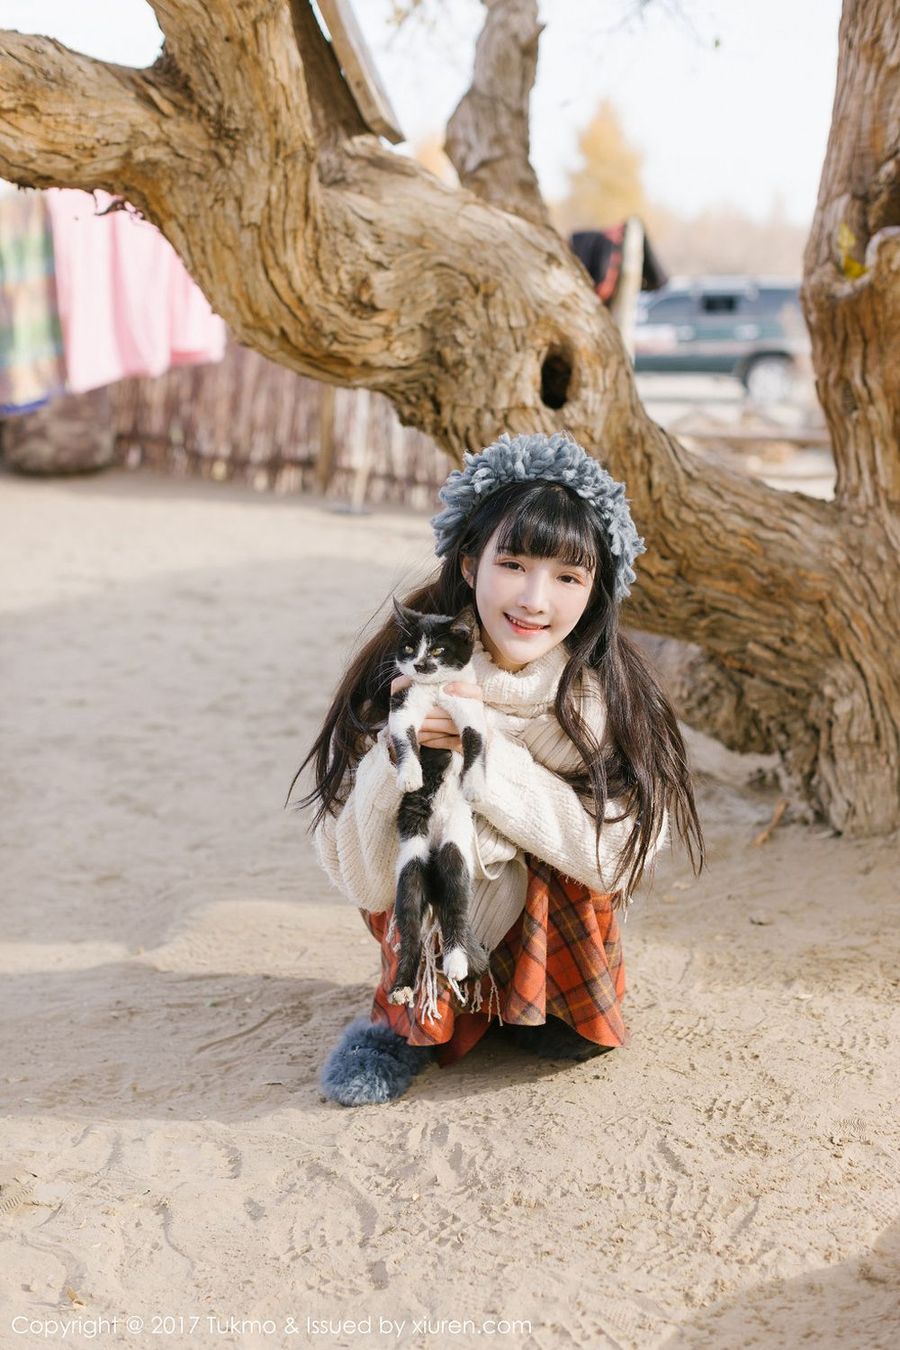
(126, 303)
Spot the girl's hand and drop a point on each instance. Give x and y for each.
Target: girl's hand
(439, 730)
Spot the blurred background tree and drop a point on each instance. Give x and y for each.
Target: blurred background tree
(608, 186)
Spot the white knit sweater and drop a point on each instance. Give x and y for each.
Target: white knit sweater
(526, 807)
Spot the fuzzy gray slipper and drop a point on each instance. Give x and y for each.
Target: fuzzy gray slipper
(370, 1063)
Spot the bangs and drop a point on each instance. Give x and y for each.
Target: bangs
(552, 523)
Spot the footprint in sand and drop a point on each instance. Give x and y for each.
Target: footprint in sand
(15, 1190)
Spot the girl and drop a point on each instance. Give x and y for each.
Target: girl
(585, 767)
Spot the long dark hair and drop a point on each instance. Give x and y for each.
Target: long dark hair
(642, 762)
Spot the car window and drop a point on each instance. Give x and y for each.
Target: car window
(770, 300)
(671, 309)
(721, 302)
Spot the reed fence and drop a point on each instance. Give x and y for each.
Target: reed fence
(246, 419)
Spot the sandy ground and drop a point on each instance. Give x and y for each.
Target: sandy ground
(176, 968)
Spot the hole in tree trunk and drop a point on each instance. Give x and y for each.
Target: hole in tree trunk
(556, 376)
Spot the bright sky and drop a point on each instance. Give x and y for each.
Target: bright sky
(729, 100)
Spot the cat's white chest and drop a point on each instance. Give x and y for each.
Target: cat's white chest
(469, 715)
(422, 697)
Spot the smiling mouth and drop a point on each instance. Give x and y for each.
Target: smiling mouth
(524, 627)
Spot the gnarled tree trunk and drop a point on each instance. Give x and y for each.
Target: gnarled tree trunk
(329, 253)
(854, 322)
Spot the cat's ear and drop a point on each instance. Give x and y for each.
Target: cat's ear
(465, 622)
(405, 617)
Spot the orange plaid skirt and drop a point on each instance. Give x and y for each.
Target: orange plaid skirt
(561, 957)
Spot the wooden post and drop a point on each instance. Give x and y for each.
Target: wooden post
(356, 62)
(623, 307)
(325, 459)
(362, 450)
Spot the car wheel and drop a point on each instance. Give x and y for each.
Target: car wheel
(771, 379)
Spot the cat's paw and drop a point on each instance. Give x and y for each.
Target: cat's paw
(473, 784)
(455, 965)
(409, 776)
(402, 994)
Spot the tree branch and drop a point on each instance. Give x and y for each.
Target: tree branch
(861, 393)
(850, 289)
(203, 37)
(67, 120)
(487, 135)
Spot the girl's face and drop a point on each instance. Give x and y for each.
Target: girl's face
(548, 595)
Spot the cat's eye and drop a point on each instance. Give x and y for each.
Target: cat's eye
(406, 649)
(437, 651)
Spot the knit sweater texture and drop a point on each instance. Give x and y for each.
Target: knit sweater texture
(525, 808)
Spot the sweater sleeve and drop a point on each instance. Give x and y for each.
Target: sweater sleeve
(357, 849)
(540, 813)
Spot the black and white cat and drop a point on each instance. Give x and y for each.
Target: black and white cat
(436, 861)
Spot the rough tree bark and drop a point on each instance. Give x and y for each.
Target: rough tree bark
(346, 262)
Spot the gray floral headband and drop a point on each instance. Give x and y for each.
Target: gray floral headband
(558, 458)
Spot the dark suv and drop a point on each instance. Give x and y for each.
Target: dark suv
(750, 328)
